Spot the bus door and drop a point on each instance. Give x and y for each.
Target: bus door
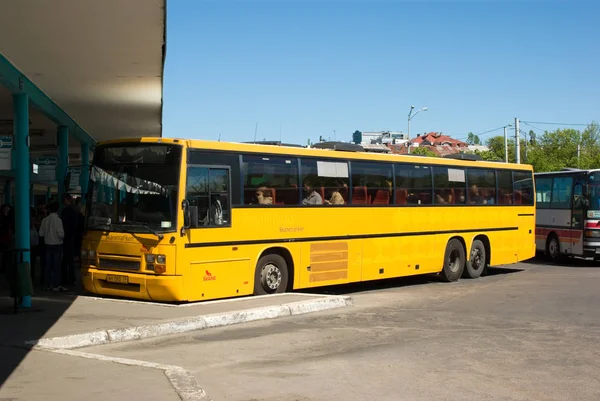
(577, 220)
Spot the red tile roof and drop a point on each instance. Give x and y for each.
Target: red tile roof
(437, 139)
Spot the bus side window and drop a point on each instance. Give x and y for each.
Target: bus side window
(208, 189)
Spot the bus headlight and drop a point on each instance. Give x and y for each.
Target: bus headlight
(88, 256)
(592, 233)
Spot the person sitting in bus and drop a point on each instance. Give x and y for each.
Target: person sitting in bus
(475, 197)
(263, 195)
(312, 196)
(336, 196)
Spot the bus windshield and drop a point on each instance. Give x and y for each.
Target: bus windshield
(134, 188)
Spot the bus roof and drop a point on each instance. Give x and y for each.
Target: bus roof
(294, 150)
(568, 171)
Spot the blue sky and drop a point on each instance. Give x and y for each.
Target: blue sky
(307, 68)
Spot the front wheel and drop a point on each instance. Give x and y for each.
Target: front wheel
(454, 261)
(271, 275)
(553, 248)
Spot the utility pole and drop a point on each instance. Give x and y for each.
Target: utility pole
(505, 145)
(255, 131)
(517, 142)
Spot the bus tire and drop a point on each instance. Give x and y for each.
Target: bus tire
(476, 264)
(271, 275)
(553, 248)
(454, 261)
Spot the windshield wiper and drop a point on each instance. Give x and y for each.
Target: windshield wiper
(144, 225)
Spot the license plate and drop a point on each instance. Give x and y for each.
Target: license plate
(117, 279)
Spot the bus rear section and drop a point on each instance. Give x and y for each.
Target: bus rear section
(568, 214)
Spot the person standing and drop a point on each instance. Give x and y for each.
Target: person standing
(53, 233)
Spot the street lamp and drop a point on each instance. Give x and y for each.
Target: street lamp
(411, 115)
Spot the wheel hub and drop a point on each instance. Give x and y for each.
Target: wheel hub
(271, 277)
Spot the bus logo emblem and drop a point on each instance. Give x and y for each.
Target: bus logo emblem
(209, 276)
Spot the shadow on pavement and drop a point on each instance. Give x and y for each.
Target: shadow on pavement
(28, 323)
(410, 281)
(572, 262)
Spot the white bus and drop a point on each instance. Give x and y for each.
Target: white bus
(568, 213)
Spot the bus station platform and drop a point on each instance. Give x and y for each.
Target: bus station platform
(69, 322)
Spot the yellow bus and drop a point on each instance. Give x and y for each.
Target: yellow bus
(187, 220)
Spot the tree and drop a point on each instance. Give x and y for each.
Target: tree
(473, 139)
(566, 148)
(357, 137)
(423, 151)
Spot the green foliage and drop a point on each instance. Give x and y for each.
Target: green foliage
(357, 137)
(423, 151)
(473, 139)
(552, 150)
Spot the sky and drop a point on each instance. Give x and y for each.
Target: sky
(304, 69)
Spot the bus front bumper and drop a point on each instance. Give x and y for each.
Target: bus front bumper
(147, 287)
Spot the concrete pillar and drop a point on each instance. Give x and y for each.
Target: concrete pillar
(21, 146)
(63, 161)
(84, 176)
(22, 188)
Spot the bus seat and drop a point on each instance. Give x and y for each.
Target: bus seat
(401, 196)
(382, 197)
(359, 196)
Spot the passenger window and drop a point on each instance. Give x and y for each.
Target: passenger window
(413, 185)
(524, 188)
(543, 190)
(207, 189)
(562, 188)
(372, 183)
(505, 187)
(449, 185)
(482, 187)
(270, 180)
(324, 182)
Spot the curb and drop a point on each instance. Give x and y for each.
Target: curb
(191, 324)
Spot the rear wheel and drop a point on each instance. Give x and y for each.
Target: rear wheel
(477, 260)
(271, 275)
(454, 261)
(553, 248)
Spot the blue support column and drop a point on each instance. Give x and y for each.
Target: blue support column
(63, 161)
(21, 146)
(84, 176)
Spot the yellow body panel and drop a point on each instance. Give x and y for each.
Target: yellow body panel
(327, 245)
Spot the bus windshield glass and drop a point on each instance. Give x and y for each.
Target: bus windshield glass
(134, 188)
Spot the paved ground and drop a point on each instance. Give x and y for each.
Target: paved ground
(525, 334)
(46, 376)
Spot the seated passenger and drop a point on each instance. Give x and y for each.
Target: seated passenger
(336, 196)
(312, 196)
(263, 195)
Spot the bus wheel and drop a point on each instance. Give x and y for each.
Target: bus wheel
(553, 248)
(476, 263)
(271, 275)
(454, 261)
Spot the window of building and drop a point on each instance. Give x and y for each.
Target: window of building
(449, 185)
(324, 182)
(482, 187)
(371, 183)
(505, 187)
(270, 180)
(413, 184)
(562, 188)
(207, 190)
(543, 191)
